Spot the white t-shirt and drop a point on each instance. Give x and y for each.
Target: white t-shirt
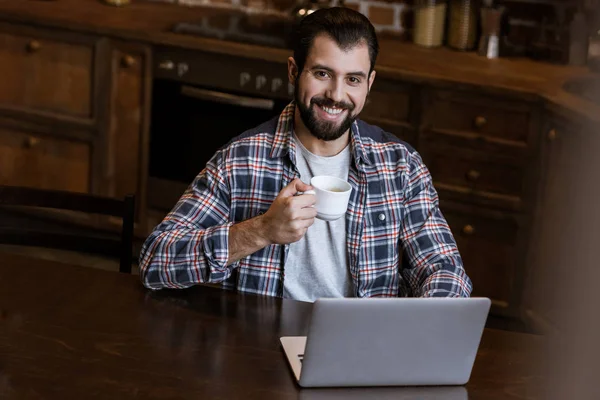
(317, 265)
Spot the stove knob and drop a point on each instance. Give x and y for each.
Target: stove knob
(261, 80)
(244, 79)
(182, 69)
(276, 84)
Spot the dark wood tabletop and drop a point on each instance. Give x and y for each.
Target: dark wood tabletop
(69, 332)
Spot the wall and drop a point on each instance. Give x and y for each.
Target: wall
(535, 28)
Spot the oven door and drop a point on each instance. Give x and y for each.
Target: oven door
(189, 124)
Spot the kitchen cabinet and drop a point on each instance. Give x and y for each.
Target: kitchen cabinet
(75, 106)
(43, 161)
(489, 242)
(482, 153)
(126, 125)
(392, 105)
(73, 111)
(549, 268)
(46, 72)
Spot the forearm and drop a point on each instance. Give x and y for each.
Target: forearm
(246, 238)
(444, 279)
(434, 267)
(181, 257)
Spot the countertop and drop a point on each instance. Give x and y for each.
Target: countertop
(149, 22)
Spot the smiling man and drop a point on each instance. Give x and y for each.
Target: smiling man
(244, 222)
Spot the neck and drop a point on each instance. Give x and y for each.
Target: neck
(317, 146)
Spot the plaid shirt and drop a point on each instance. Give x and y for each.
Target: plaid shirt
(398, 242)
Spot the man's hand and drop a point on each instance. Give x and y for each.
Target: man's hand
(290, 216)
(285, 222)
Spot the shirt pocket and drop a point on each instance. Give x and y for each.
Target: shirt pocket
(380, 251)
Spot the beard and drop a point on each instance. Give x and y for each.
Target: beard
(324, 130)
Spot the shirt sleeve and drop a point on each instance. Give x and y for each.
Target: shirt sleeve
(432, 264)
(191, 244)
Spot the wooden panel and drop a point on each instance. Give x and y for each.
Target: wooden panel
(43, 162)
(548, 267)
(473, 172)
(466, 115)
(488, 246)
(125, 122)
(388, 100)
(126, 166)
(46, 74)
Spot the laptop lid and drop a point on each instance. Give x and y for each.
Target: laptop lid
(392, 341)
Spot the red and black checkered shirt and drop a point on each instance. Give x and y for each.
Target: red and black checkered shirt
(398, 241)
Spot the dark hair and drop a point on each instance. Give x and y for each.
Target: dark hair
(346, 26)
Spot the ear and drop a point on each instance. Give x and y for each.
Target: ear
(371, 79)
(292, 70)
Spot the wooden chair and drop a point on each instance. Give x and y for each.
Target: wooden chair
(61, 236)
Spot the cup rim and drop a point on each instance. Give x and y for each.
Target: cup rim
(341, 181)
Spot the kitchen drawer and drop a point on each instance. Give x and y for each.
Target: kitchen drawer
(43, 72)
(488, 244)
(43, 162)
(467, 116)
(388, 101)
(469, 172)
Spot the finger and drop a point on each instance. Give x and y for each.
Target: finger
(304, 200)
(303, 187)
(307, 213)
(303, 223)
(292, 188)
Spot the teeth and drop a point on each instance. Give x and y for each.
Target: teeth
(332, 111)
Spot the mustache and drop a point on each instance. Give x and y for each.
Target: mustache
(325, 102)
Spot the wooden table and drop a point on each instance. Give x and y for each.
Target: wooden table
(77, 333)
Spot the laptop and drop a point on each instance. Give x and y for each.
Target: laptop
(388, 342)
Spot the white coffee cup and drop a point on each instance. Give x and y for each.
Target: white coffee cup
(332, 194)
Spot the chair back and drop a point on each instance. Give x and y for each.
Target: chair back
(76, 239)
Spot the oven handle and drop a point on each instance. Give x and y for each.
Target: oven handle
(227, 98)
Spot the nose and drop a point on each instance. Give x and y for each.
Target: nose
(335, 91)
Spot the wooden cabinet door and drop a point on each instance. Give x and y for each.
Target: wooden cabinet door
(561, 152)
(46, 72)
(42, 161)
(490, 246)
(127, 95)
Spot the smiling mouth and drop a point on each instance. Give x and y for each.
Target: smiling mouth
(333, 111)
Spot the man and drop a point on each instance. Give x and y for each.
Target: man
(244, 224)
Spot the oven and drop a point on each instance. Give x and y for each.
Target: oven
(200, 101)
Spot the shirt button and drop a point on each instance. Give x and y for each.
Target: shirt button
(381, 217)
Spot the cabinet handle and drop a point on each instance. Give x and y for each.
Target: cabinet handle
(473, 175)
(468, 230)
(552, 134)
(32, 142)
(34, 46)
(128, 61)
(480, 122)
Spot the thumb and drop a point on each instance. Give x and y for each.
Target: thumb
(294, 187)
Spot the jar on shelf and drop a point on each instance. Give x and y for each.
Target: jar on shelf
(462, 27)
(429, 22)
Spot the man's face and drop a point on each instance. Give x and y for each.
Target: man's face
(332, 89)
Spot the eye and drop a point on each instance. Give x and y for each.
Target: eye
(321, 74)
(354, 80)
